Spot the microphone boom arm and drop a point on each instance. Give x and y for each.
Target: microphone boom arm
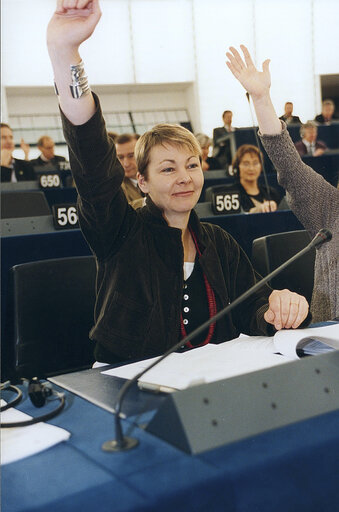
(124, 443)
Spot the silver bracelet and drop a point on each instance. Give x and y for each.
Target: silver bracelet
(79, 86)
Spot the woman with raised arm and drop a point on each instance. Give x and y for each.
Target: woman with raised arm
(314, 201)
(160, 272)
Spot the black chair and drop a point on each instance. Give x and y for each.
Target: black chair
(218, 188)
(48, 318)
(268, 252)
(23, 203)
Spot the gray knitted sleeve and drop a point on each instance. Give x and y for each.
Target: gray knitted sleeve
(313, 200)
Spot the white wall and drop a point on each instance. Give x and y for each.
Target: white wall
(158, 41)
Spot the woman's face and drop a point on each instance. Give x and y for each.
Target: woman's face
(205, 151)
(174, 179)
(249, 167)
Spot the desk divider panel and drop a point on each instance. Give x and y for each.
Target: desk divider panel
(207, 416)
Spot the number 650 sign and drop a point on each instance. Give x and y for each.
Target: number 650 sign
(225, 202)
(65, 216)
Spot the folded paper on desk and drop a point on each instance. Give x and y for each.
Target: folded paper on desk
(216, 362)
(18, 443)
(304, 342)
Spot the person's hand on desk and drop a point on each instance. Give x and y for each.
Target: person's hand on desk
(265, 207)
(286, 309)
(319, 152)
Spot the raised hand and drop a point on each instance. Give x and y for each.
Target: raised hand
(257, 83)
(72, 23)
(25, 148)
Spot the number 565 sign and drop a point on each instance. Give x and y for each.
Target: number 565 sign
(225, 202)
(65, 216)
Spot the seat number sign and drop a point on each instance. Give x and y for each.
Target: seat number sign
(65, 216)
(50, 181)
(225, 202)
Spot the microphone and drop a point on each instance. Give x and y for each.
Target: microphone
(258, 145)
(121, 442)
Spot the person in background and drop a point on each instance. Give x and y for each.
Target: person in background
(125, 145)
(313, 200)
(113, 135)
(209, 163)
(247, 167)
(47, 156)
(160, 271)
(222, 148)
(327, 115)
(288, 116)
(13, 169)
(309, 144)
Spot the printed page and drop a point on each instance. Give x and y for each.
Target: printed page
(205, 364)
(286, 341)
(20, 442)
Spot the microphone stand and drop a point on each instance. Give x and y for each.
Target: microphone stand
(261, 157)
(121, 442)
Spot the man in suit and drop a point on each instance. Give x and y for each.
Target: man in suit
(125, 145)
(47, 157)
(13, 169)
(327, 113)
(222, 148)
(287, 116)
(309, 145)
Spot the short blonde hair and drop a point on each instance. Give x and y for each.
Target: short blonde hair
(159, 135)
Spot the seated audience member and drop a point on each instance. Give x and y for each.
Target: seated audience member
(209, 163)
(309, 145)
(13, 169)
(312, 199)
(287, 116)
(327, 113)
(222, 148)
(47, 157)
(247, 167)
(161, 272)
(125, 145)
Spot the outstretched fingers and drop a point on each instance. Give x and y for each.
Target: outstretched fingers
(247, 56)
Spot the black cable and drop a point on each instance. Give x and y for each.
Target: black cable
(16, 399)
(44, 417)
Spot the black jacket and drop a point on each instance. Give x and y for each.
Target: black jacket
(140, 258)
(23, 171)
(39, 162)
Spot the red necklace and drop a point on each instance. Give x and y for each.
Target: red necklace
(212, 307)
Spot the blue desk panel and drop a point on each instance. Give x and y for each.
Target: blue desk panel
(247, 227)
(290, 469)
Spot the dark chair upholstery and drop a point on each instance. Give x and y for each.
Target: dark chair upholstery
(268, 252)
(23, 203)
(218, 188)
(49, 315)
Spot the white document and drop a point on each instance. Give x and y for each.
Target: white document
(216, 362)
(288, 341)
(204, 364)
(20, 442)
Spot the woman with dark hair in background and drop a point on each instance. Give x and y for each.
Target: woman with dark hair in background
(247, 167)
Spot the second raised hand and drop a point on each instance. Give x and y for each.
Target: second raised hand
(257, 83)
